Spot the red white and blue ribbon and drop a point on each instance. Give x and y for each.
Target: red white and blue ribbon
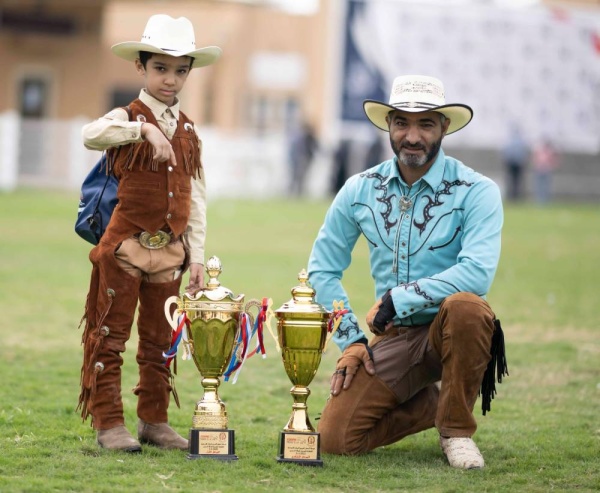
(183, 323)
(259, 324)
(241, 351)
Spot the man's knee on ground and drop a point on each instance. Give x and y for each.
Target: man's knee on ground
(336, 440)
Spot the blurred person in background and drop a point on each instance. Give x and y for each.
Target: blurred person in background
(156, 231)
(376, 151)
(302, 148)
(353, 156)
(545, 161)
(341, 164)
(433, 227)
(515, 156)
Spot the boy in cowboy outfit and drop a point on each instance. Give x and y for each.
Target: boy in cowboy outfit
(154, 151)
(433, 228)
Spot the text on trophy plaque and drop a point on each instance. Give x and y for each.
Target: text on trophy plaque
(300, 446)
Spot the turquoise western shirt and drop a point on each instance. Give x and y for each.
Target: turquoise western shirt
(438, 237)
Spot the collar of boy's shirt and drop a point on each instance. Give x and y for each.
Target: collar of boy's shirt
(157, 107)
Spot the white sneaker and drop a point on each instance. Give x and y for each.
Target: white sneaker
(462, 453)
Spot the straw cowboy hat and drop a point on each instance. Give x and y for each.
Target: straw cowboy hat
(168, 36)
(415, 94)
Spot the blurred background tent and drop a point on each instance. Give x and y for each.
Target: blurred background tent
(291, 61)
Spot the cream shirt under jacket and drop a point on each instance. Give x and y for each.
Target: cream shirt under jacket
(114, 129)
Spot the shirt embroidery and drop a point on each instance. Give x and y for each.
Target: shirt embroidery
(446, 241)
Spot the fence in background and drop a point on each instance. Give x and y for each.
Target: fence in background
(50, 154)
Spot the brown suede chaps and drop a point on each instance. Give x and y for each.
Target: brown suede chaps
(109, 316)
(402, 398)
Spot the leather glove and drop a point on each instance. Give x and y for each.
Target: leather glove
(358, 353)
(381, 314)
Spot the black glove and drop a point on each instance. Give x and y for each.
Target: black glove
(386, 312)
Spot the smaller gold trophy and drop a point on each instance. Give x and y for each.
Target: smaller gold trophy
(214, 318)
(302, 331)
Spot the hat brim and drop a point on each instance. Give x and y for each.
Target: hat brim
(459, 114)
(130, 50)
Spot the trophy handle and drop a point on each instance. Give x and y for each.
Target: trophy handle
(171, 318)
(252, 303)
(265, 311)
(256, 330)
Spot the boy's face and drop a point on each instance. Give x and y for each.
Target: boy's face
(164, 76)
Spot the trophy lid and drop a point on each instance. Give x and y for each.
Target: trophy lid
(213, 291)
(302, 302)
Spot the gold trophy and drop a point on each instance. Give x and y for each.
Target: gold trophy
(302, 330)
(214, 319)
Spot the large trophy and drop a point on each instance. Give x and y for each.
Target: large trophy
(213, 322)
(303, 329)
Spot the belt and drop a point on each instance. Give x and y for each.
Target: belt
(157, 240)
(395, 331)
(398, 330)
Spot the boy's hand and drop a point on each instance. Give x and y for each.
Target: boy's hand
(162, 147)
(196, 278)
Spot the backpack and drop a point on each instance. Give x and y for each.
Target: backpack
(97, 201)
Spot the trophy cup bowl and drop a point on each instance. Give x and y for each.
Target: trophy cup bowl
(302, 332)
(213, 315)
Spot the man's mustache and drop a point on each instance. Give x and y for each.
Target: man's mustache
(411, 147)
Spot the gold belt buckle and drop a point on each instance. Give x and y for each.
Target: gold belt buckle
(154, 242)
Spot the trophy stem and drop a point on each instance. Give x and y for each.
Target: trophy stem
(299, 420)
(209, 436)
(299, 442)
(210, 411)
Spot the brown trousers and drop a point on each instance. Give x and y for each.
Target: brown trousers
(130, 275)
(402, 398)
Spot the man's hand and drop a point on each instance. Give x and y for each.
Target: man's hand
(381, 314)
(355, 355)
(196, 278)
(163, 151)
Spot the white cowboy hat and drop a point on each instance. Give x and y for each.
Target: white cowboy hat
(168, 36)
(415, 94)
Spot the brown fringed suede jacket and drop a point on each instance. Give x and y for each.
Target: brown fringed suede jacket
(153, 195)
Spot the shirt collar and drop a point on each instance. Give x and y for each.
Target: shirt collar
(157, 107)
(433, 177)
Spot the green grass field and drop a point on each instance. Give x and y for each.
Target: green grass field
(542, 434)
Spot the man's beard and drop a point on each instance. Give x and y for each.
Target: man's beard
(414, 160)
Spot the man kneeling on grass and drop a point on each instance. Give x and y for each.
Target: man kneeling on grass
(433, 228)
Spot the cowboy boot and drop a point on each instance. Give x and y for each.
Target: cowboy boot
(161, 435)
(154, 384)
(118, 438)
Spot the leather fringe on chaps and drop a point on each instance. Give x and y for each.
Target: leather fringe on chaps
(88, 375)
(496, 368)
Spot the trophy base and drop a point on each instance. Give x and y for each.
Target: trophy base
(212, 444)
(300, 448)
